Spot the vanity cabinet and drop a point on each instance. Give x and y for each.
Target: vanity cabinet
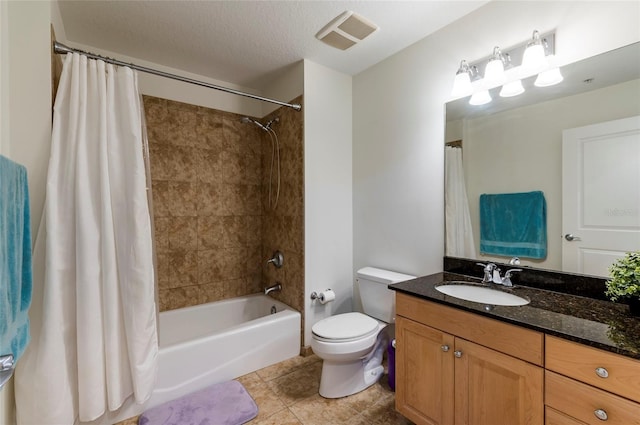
(458, 367)
(590, 386)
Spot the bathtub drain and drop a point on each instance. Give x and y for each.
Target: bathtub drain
(273, 309)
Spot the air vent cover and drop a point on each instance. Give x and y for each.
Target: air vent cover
(346, 30)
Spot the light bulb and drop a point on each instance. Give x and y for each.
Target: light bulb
(534, 59)
(480, 98)
(461, 85)
(512, 88)
(548, 78)
(494, 71)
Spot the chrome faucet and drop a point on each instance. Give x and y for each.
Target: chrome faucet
(488, 271)
(492, 274)
(273, 288)
(506, 281)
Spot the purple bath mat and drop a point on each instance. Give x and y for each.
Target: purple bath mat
(227, 403)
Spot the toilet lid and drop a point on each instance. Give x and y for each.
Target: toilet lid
(345, 326)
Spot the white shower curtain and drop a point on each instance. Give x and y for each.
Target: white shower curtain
(95, 344)
(459, 234)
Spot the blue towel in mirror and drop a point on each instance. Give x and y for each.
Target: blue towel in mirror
(15, 258)
(514, 224)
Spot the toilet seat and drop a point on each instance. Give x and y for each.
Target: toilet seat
(345, 327)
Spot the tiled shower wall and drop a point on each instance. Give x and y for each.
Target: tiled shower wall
(283, 226)
(213, 225)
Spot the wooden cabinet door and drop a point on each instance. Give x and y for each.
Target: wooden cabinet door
(493, 388)
(424, 373)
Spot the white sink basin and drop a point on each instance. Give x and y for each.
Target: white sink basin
(481, 294)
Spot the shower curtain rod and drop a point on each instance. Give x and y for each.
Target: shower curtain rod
(60, 48)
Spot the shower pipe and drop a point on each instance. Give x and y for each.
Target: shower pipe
(60, 48)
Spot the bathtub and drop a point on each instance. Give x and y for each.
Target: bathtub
(219, 341)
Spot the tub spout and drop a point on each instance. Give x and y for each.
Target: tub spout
(274, 288)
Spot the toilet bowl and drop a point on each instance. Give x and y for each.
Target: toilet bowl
(352, 345)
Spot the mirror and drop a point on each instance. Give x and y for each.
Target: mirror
(515, 144)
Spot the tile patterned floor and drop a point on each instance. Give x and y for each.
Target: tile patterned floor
(287, 394)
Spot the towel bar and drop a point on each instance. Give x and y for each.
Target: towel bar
(6, 368)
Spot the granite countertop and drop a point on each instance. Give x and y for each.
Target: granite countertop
(597, 323)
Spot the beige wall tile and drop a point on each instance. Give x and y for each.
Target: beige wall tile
(160, 191)
(159, 161)
(181, 163)
(210, 232)
(233, 166)
(183, 268)
(209, 130)
(214, 230)
(210, 266)
(161, 232)
(209, 165)
(233, 262)
(211, 199)
(182, 199)
(234, 231)
(162, 267)
(183, 233)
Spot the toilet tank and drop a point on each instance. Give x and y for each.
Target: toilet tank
(378, 301)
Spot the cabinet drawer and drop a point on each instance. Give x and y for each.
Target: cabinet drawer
(518, 342)
(583, 363)
(582, 401)
(553, 417)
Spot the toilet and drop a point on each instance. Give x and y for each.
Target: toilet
(351, 345)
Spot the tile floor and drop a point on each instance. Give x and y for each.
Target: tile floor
(287, 394)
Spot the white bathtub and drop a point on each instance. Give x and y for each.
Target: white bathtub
(216, 342)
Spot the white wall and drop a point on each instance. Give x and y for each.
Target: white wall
(399, 119)
(25, 76)
(327, 191)
(286, 87)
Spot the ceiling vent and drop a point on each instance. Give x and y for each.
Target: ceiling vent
(346, 30)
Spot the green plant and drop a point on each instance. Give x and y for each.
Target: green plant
(625, 277)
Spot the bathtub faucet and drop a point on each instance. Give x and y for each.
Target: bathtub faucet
(274, 288)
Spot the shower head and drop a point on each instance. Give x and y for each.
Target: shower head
(246, 120)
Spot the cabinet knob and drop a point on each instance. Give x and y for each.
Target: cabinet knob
(602, 372)
(445, 348)
(601, 414)
(457, 353)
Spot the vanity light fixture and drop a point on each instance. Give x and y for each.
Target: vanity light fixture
(462, 83)
(550, 77)
(480, 98)
(494, 71)
(512, 88)
(514, 85)
(534, 57)
(537, 57)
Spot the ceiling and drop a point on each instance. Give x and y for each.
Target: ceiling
(250, 42)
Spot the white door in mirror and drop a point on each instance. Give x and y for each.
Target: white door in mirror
(601, 195)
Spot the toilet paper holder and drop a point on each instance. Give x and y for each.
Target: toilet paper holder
(318, 295)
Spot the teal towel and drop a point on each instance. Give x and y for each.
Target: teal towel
(15, 258)
(514, 224)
